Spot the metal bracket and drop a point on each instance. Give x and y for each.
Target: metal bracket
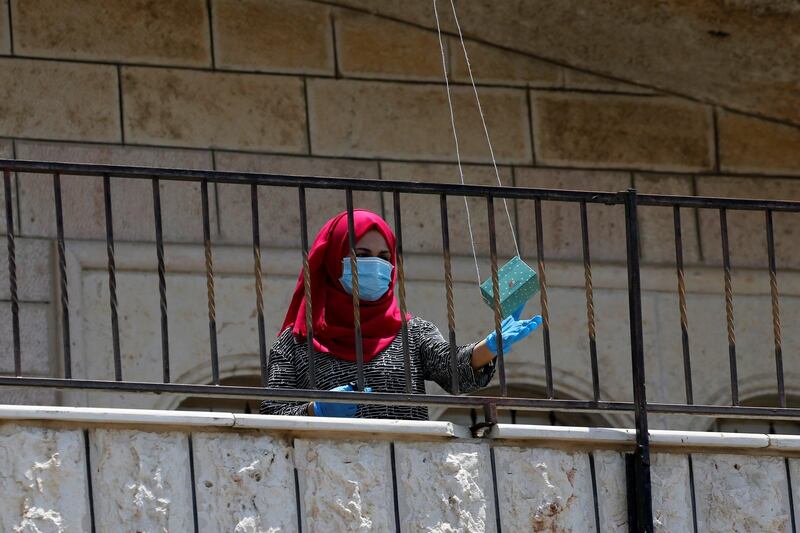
(482, 429)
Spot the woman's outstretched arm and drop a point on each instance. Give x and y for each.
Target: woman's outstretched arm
(435, 355)
(481, 355)
(512, 330)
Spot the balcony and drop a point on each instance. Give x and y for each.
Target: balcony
(628, 357)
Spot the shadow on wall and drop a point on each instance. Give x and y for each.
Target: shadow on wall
(461, 416)
(225, 405)
(743, 425)
(471, 416)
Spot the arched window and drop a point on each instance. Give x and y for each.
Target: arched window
(226, 405)
(750, 425)
(468, 416)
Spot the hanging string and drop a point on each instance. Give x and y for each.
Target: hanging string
(480, 111)
(455, 137)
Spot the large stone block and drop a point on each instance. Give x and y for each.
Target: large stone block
(282, 35)
(5, 29)
(131, 199)
(664, 350)
(142, 480)
(665, 370)
(612, 504)
(43, 480)
(741, 493)
(621, 131)
(380, 48)
(495, 65)
(279, 208)
(174, 33)
(243, 483)
(794, 472)
(56, 100)
(205, 109)
(345, 486)
(569, 340)
(747, 144)
(709, 347)
(35, 332)
(747, 237)
(657, 226)
(544, 490)
(421, 214)
(561, 220)
(371, 119)
(672, 497)
(34, 270)
(445, 487)
(140, 325)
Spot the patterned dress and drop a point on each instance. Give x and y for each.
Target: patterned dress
(430, 360)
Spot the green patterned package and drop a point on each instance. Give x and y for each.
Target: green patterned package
(517, 282)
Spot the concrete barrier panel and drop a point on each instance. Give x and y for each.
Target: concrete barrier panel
(345, 486)
(244, 483)
(445, 487)
(141, 479)
(42, 480)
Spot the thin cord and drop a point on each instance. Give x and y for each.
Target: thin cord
(455, 137)
(480, 110)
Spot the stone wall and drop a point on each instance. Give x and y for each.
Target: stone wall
(301, 87)
(71, 469)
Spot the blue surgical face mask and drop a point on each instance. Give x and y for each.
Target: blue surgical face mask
(374, 277)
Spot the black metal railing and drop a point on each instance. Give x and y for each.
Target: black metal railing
(630, 200)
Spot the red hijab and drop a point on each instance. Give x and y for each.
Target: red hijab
(332, 306)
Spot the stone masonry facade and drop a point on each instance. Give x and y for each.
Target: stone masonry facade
(371, 476)
(308, 87)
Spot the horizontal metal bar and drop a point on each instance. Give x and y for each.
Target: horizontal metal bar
(383, 398)
(313, 182)
(716, 203)
(316, 182)
(726, 411)
(373, 398)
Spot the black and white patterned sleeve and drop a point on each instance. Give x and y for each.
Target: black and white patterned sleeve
(434, 352)
(282, 374)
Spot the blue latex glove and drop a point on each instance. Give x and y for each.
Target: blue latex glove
(340, 410)
(513, 330)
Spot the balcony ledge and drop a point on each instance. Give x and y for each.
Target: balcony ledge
(293, 424)
(401, 429)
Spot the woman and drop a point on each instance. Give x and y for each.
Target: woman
(334, 334)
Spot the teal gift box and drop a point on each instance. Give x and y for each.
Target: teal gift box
(517, 282)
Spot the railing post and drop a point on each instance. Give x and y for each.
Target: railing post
(644, 503)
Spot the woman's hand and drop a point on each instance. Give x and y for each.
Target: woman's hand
(340, 410)
(512, 329)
